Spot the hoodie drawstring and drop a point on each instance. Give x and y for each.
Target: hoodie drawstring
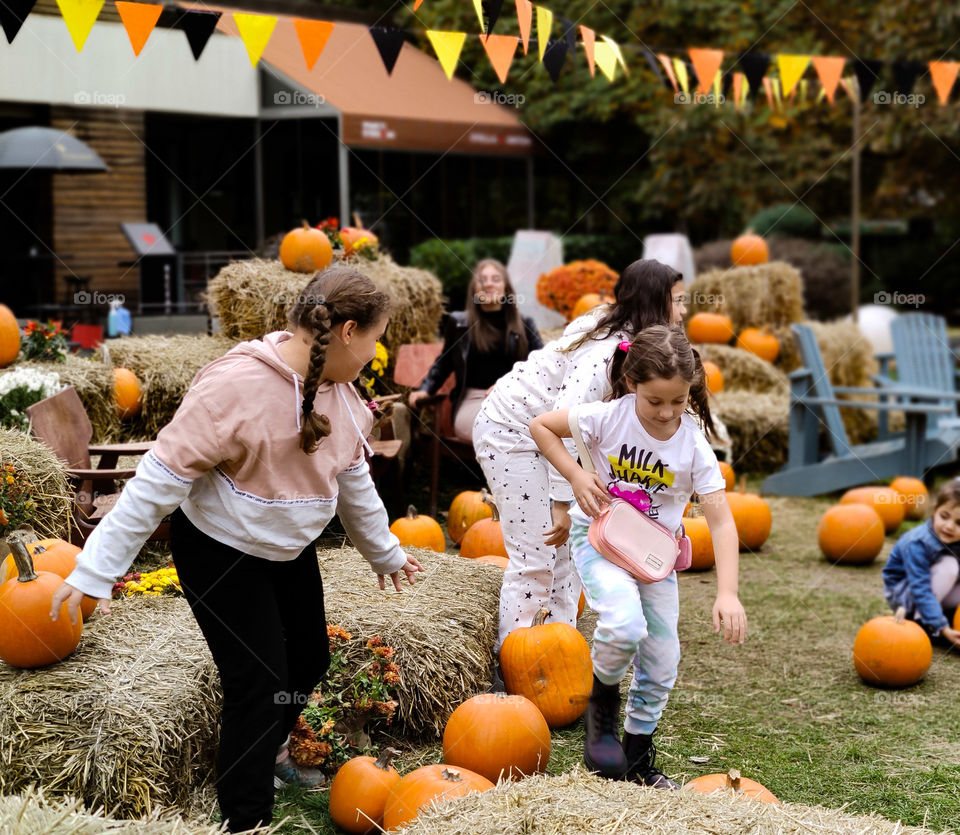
(296, 397)
(356, 425)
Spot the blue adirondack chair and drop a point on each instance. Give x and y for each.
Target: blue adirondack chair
(814, 403)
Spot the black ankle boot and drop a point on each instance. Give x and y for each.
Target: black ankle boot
(641, 754)
(602, 751)
(496, 677)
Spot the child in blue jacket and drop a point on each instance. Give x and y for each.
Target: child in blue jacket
(923, 569)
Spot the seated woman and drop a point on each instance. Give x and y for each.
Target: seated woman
(480, 345)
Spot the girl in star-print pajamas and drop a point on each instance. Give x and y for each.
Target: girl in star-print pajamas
(531, 497)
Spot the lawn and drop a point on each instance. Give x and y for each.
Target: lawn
(787, 707)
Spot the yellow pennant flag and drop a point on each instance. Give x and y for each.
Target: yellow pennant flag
(791, 68)
(79, 15)
(616, 51)
(544, 24)
(447, 45)
(718, 88)
(478, 5)
(683, 78)
(255, 30)
(606, 59)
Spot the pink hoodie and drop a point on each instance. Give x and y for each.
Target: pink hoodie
(231, 459)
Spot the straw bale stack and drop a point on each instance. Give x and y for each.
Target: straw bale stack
(579, 803)
(52, 492)
(768, 295)
(759, 427)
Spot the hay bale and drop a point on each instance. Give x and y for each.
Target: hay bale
(579, 803)
(745, 371)
(165, 367)
(442, 628)
(759, 427)
(128, 721)
(753, 297)
(52, 492)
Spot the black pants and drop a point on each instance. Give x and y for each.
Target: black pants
(266, 629)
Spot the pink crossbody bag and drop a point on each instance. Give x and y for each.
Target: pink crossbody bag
(629, 538)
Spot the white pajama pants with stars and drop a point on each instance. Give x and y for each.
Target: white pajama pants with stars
(538, 576)
(635, 622)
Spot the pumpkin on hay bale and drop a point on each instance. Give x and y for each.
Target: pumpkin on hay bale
(51, 490)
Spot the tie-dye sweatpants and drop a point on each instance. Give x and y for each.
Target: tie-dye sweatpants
(635, 622)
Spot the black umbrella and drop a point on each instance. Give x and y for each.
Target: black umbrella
(47, 149)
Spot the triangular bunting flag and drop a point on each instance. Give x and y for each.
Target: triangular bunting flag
(500, 50)
(389, 43)
(79, 15)
(943, 74)
(905, 74)
(791, 68)
(139, 20)
(668, 70)
(867, 73)
(606, 59)
(491, 13)
(553, 57)
(726, 86)
(198, 26)
(739, 82)
(706, 62)
(768, 88)
(616, 51)
(447, 45)
(416, 4)
(754, 66)
(683, 76)
(313, 36)
(588, 36)
(524, 19)
(847, 85)
(570, 36)
(255, 30)
(544, 25)
(655, 67)
(717, 89)
(478, 8)
(12, 15)
(801, 91)
(829, 69)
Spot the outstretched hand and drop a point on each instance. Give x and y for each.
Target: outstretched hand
(590, 492)
(72, 597)
(411, 567)
(728, 615)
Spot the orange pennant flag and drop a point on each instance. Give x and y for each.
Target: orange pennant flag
(706, 62)
(416, 4)
(500, 50)
(847, 85)
(943, 74)
(589, 37)
(313, 35)
(668, 69)
(829, 69)
(525, 19)
(739, 79)
(139, 20)
(768, 88)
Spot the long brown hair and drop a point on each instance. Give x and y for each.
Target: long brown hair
(483, 334)
(333, 296)
(662, 352)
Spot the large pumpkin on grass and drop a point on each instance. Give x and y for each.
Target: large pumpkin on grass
(28, 637)
(850, 534)
(549, 663)
(710, 328)
(729, 476)
(358, 793)
(419, 531)
(749, 249)
(885, 500)
(306, 250)
(425, 785)
(752, 516)
(891, 651)
(484, 538)
(127, 393)
(713, 376)
(355, 238)
(759, 342)
(702, 556)
(53, 555)
(732, 781)
(915, 495)
(9, 336)
(497, 735)
(468, 507)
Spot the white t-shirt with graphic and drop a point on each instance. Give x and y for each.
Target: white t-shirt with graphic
(668, 471)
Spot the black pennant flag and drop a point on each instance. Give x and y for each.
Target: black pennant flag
(389, 43)
(553, 58)
(754, 66)
(491, 13)
(12, 15)
(906, 73)
(655, 66)
(198, 27)
(867, 72)
(570, 35)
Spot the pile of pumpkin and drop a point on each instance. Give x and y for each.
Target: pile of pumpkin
(307, 248)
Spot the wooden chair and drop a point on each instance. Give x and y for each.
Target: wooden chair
(413, 363)
(62, 424)
(814, 403)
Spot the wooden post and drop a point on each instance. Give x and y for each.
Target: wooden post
(855, 207)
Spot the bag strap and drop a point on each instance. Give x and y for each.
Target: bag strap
(586, 460)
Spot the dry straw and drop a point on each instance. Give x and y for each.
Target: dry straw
(42, 469)
(759, 427)
(442, 628)
(753, 297)
(582, 804)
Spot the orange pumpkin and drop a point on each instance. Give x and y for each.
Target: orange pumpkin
(28, 637)
(358, 793)
(751, 515)
(710, 327)
(702, 556)
(915, 495)
(494, 559)
(588, 302)
(484, 538)
(425, 785)
(355, 238)
(850, 534)
(550, 664)
(729, 476)
(419, 531)
(497, 735)
(891, 651)
(57, 557)
(732, 781)
(468, 507)
(886, 501)
(713, 375)
(9, 336)
(760, 342)
(749, 249)
(306, 250)
(581, 604)
(126, 392)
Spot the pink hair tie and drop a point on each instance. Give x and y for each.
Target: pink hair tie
(624, 345)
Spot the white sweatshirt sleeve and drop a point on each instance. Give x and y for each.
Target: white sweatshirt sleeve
(364, 518)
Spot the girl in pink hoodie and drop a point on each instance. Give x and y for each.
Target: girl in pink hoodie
(267, 445)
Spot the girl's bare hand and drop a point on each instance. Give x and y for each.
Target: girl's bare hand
(728, 615)
(591, 493)
(411, 567)
(73, 597)
(557, 535)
